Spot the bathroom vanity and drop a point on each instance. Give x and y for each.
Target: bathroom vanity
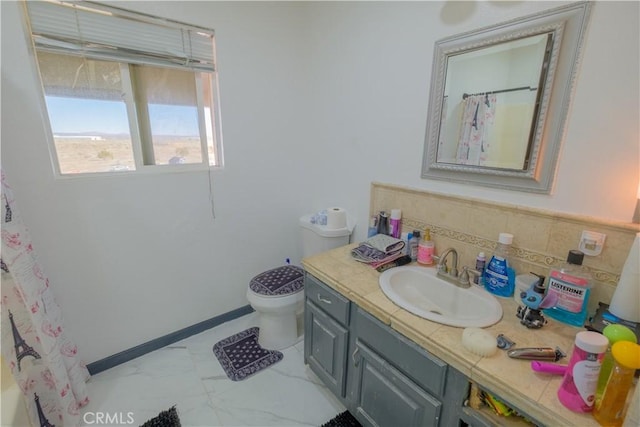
(377, 373)
(390, 367)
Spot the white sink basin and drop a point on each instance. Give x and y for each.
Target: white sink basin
(419, 291)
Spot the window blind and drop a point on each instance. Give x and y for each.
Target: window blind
(99, 31)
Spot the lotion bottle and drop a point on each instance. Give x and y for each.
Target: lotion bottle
(578, 388)
(425, 249)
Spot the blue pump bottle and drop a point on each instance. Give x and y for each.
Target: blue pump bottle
(499, 277)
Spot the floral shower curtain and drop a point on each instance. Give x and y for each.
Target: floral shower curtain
(41, 356)
(477, 118)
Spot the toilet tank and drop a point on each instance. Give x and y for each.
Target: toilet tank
(318, 238)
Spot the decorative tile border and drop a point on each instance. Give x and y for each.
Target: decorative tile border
(517, 253)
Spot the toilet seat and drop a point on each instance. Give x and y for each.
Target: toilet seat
(278, 282)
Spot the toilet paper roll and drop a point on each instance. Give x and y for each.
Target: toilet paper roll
(626, 298)
(336, 218)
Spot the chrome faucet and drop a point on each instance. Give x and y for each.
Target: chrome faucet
(451, 275)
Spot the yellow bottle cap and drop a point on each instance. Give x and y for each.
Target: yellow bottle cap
(627, 354)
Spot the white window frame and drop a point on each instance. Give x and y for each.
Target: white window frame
(203, 63)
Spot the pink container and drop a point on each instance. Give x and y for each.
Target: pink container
(578, 389)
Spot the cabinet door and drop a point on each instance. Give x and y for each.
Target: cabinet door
(325, 348)
(383, 396)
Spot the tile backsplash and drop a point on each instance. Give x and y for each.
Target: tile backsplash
(541, 240)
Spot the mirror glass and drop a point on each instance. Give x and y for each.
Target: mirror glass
(489, 103)
(499, 100)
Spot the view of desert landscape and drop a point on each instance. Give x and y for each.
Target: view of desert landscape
(104, 153)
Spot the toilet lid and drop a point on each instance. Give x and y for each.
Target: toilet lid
(283, 280)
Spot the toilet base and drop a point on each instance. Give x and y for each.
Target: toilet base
(278, 330)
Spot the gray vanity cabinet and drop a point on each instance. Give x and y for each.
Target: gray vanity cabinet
(383, 396)
(326, 334)
(383, 378)
(394, 382)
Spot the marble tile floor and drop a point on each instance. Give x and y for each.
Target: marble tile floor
(187, 374)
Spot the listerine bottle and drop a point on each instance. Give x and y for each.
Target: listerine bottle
(571, 284)
(499, 277)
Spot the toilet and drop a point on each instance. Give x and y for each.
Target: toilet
(277, 295)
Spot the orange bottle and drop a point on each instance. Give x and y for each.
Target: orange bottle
(611, 409)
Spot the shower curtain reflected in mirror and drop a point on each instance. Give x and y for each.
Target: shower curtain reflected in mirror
(35, 345)
(478, 115)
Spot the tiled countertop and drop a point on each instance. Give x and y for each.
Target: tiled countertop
(512, 379)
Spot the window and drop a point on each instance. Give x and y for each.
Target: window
(124, 91)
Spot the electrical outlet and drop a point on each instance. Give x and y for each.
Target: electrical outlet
(591, 242)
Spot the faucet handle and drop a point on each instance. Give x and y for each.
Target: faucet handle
(467, 272)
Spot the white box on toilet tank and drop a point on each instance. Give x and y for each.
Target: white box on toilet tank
(318, 238)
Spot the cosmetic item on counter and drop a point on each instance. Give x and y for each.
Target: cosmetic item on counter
(406, 237)
(403, 260)
(413, 245)
(614, 334)
(499, 277)
(395, 224)
(481, 262)
(611, 409)
(548, 368)
(425, 249)
(383, 223)
(537, 353)
(624, 303)
(373, 226)
(571, 284)
(578, 388)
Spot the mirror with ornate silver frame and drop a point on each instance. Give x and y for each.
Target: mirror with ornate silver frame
(499, 100)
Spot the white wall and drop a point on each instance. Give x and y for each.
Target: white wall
(318, 100)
